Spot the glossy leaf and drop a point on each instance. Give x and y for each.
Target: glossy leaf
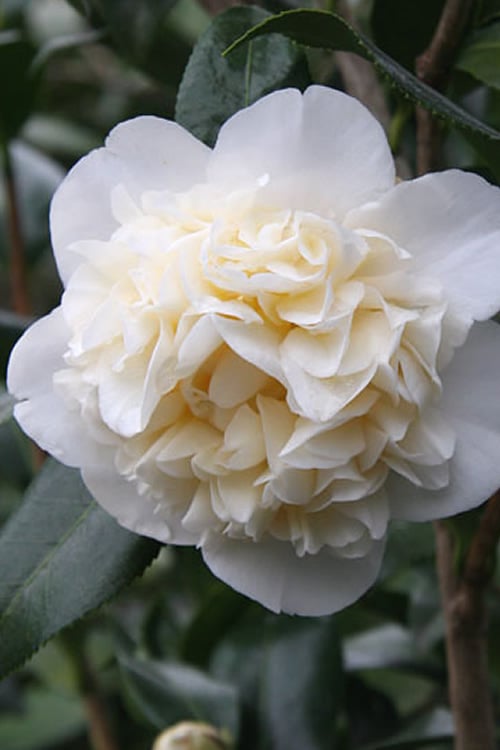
(215, 87)
(481, 55)
(165, 693)
(317, 28)
(290, 673)
(61, 556)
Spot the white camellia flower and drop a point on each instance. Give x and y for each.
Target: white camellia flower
(266, 350)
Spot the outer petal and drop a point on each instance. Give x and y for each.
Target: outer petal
(138, 513)
(147, 153)
(471, 403)
(450, 223)
(321, 151)
(43, 415)
(271, 573)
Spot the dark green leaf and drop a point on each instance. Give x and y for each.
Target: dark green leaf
(47, 718)
(36, 177)
(433, 729)
(165, 693)
(481, 55)
(61, 556)
(215, 87)
(19, 85)
(487, 11)
(296, 671)
(219, 612)
(302, 684)
(403, 28)
(133, 24)
(379, 648)
(318, 28)
(64, 43)
(6, 405)
(140, 33)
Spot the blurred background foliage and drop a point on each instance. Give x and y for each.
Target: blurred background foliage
(177, 644)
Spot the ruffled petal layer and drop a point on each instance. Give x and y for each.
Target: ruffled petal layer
(450, 223)
(472, 407)
(146, 153)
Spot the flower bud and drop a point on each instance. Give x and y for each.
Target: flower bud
(193, 735)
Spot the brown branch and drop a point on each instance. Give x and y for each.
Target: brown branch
(433, 67)
(99, 727)
(463, 594)
(17, 265)
(466, 641)
(100, 733)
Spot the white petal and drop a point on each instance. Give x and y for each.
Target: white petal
(471, 403)
(44, 415)
(271, 573)
(321, 151)
(136, 512)
(147, 153)
(234, 380)
(450, 223)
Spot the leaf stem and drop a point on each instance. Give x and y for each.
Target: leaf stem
(17, 265)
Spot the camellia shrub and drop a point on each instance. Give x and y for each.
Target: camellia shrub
(275, 343)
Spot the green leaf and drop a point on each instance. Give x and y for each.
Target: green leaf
(404, 28)
(36, 177)
(215, 87)
(481, 55)
(218, 614)
(302, 685)
(19, 87)
(433, 729)
(61, 556)
(133, 24)
(317, 28)
(6, 405)
(381, 647)
(47, 719)
(291, 677)
(165, 693)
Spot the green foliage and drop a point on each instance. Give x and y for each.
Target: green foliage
(166, 693)
(178, 645)
(47, 719)
(47, 582)
(215, 87)
(19, 87)
(481, 54)
(317, 28)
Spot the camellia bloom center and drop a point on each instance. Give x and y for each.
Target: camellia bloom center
(258, 369)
